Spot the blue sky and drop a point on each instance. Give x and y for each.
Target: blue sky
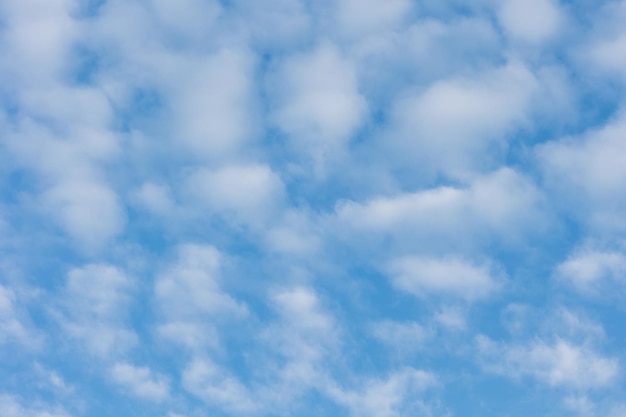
(368, 208)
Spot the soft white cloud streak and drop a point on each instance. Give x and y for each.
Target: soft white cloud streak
(248, 194)
(454, 277)
(190, 298)
(214, 107)
(588, 172)
(592, 271)
(11, 327)
(455, 125)
(96, 301)
(393, 396)
(141, 381)
(558, 363)
(402, 337)
(318, 103)
(13, 406)
(363, 17)
(217, 387)
(533, 21)
(501, 205)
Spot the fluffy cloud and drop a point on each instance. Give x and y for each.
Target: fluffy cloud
(96, 300)
(66, 149)
(388, 397)
(306, 333)
(319, 105)
(188, 19)
(557, 363)
(249, 194)
(403, 337)
(276, 23)
(12, 406)
(141, 381)
(189, 296)
(456, 125)
(11, 328)
(357, 17)
(207, 381)
(606, 48)
(531, 21)
(500, 205)
(215, 106)
(156, 198)
(89, 212)
(37, 39)
(594, 271)
(425, 277)
(588, 172)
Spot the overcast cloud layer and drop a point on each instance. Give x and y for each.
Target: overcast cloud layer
(368, 208)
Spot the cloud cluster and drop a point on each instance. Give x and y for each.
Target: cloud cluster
(371, 208)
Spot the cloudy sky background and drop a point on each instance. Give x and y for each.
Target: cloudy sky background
(368, 208)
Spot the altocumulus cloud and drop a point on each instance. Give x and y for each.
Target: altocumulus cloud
(372, 208)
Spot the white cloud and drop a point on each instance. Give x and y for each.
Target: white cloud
(456, 126)
(576, 326)
(558, 364)
(11, 328)
(96, 300)
(609, 54)
(36, 39)
(189, 19)
(13, 406)
(191, 284)
(618, 411)
(451, 318)
(588, 172)
(90, 212)
(523, 320)
(85, 113)
(607, 47)
(402, 337)
(247, 193)
(62, 131)
(217, 387)
(389, 64)
(579, 404)
(308, 330)
(454, 277)
(591, 271)
(156, 198)
(63, 136)
(501, 205)
(52, 380)
(6, 301)
(214, 105)
(141, 381)
(275, 23)
(295, 234)
(319, 104)
(189, 296)
(532, 21)
(449, 45)
(305, 339)
(357, 17)
(393, 396)
(293, 355)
